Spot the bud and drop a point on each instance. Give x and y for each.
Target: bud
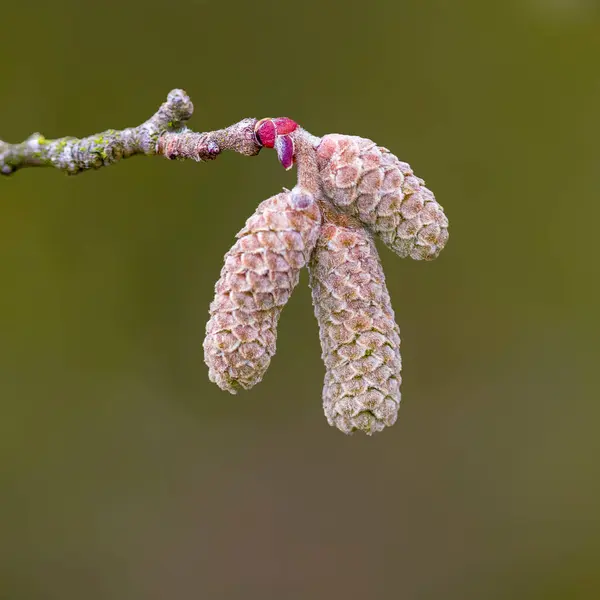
(275, 133)
(370, 183)
(265, 133)
(359, 336)
(284, 146)
(259, 274)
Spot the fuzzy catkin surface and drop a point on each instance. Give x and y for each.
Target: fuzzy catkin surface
(370, 183)
(258, 276)
(359, 336)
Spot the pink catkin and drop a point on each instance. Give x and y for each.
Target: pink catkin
(259, 274)
(359, 336)
(367, 181)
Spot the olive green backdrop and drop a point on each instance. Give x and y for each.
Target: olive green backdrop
(125, 474)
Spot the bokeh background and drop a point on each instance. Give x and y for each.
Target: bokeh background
(126, 474)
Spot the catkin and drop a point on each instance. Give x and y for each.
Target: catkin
(370, 183)
(359, 336)
(258, 276)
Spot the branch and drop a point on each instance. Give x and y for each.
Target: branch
(349, 189)
(164, 133)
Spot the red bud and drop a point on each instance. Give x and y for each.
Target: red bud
(283, 125)
(265, 133)
(285, 151)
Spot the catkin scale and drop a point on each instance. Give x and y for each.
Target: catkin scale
(259, 274)
(367, 181)
(360, 339)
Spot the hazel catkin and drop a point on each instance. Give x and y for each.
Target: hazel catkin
(360, 339)
(258, 276)
(367, 181)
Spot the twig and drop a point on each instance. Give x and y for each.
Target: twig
(164, 133)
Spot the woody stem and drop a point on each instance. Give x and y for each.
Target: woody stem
(164, 133)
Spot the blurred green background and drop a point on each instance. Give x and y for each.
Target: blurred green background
(126, 474)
